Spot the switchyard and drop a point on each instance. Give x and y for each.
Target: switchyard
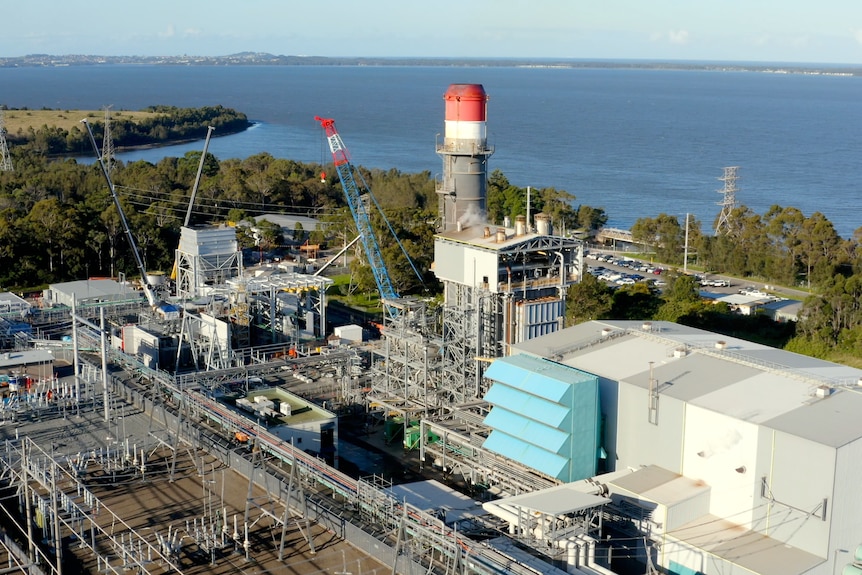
(120, 499)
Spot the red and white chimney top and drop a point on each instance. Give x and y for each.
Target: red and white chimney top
(466, 110)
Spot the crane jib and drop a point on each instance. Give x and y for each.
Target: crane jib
(360, 214)
(339, 152)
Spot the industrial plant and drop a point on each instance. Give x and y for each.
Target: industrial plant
(207, 421)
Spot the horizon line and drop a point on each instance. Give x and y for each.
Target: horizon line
(537, 59)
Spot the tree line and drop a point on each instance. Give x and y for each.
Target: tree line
(170, 125)
(782, 246)
(58, 223)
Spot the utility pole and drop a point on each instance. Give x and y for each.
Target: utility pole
(685, 253)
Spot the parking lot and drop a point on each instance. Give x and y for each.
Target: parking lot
(623, 271)
(619, 270)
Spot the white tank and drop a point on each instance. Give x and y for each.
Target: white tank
(156, 279)
(543, 224)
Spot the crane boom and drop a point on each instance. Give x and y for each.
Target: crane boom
(148, 289)
(360, 214)
(210, 130)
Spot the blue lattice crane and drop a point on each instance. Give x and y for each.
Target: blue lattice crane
(352, 191)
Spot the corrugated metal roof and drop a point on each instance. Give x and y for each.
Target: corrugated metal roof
(28, 357)
(475, 236)
(9, 300)
(644, 479)
(833, 421)
(431, 496)
(659, 485)
(745, 380)
(750, 550)
(94, 288)
(683, 378)
(755, 399)
(557, 500)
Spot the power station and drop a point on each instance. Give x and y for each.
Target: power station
(205, 423)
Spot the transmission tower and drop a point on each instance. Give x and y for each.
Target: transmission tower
(5, 158)
(728, 199)
(108, 142)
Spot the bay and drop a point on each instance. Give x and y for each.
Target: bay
(636, 142)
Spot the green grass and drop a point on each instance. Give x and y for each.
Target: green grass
(22, 120)
(368, 302)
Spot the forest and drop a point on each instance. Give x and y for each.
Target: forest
(58, 223)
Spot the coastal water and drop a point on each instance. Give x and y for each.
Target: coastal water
(637, 142)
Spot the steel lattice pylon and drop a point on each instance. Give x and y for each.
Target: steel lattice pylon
(5, 158)
(108, 142)
(728, 200)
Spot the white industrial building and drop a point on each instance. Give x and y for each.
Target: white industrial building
(743, 459)
(89, 292)
(294, 420)
(206, 258)
(12, 304)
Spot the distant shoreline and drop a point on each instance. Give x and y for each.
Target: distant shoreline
(265, 59)
(167, 143)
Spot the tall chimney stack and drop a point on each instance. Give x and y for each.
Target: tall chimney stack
(465, 153)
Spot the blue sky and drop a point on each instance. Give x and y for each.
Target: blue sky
(732, 30)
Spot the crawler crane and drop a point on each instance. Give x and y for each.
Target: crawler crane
(164, 309)
(360, 215)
